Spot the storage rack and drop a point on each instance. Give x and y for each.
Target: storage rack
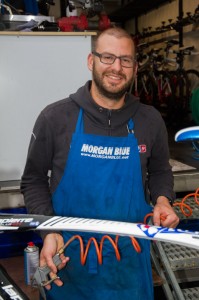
(178, 266)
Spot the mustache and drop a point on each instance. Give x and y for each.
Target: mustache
(115, 73)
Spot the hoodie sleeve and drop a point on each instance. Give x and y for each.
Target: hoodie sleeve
(35, 180)
(160, 177)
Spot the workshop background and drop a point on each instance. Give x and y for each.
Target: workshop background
(43, 51)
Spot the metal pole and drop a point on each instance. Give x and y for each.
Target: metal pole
(180, 17)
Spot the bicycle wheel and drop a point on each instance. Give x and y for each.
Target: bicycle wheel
(193, 77)
(144, 88)
(165, 96)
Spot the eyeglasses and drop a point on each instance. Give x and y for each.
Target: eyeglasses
(109, 59)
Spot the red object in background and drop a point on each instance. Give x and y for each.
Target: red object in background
(104, 22)
(81, 23)
(73, 23)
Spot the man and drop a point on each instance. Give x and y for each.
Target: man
(101, 144)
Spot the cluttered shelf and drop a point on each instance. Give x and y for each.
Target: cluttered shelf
(24, 33)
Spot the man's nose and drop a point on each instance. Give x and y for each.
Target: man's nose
(117, 64)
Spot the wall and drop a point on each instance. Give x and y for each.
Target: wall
(163, 13)
(169, 11)
(35, 71)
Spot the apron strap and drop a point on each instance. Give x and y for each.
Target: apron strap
(130, 126)
(80, 125)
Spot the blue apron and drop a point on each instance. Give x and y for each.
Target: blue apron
(102, 179)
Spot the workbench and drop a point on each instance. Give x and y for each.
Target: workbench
(15, 269)
(14, 266)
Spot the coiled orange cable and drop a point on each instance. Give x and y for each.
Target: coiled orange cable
(114, 242)
(183, 205)
(99, 248)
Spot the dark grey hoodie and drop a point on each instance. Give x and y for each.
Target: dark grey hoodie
(50, 144)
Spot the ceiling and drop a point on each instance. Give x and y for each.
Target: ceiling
(125, 10)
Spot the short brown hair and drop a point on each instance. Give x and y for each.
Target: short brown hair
(117, 32)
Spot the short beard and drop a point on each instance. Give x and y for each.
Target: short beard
(108, 94)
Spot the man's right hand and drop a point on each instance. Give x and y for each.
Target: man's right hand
(53, 242)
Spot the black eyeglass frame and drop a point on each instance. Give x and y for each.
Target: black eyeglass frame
(100, 55)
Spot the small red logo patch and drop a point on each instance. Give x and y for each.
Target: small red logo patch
(142, 148)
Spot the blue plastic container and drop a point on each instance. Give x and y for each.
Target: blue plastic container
(14, 243)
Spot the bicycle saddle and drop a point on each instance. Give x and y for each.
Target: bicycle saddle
(187, 134)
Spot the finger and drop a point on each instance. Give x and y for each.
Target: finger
(58, 282)
(63, 263)
(64, 258)
(55, 279)
(54, 276)
(156, 218)
(50, 263)
(171, 221)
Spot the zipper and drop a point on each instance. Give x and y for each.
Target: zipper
(109, 121)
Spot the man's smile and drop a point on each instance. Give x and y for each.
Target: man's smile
(115, 77)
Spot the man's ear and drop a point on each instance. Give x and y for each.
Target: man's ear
(90, 61)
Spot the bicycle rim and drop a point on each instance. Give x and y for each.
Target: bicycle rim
(166, 97)
(146, 88)
(182, 92)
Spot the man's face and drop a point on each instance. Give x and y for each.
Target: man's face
(112, 81)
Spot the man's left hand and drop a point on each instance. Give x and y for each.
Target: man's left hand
(163, 214)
